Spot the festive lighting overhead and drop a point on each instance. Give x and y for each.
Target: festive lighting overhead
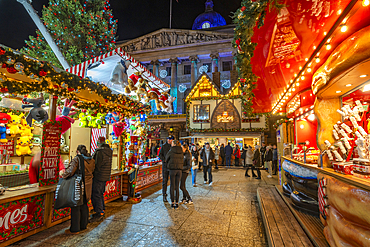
(327, 46)
(363, 76)
(338, 91)
(365, 3)
(343, 28)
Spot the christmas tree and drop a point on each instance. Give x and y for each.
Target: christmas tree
(82, 29)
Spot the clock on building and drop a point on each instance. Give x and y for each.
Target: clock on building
(206, 24)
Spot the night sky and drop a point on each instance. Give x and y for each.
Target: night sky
(135, 17)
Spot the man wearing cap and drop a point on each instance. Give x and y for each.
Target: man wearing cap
(103, 166)
(165, 172)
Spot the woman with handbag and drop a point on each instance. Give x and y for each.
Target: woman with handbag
(82, 163)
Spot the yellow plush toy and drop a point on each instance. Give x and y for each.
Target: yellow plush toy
(14, 124)
(25, 129)
(23, 145)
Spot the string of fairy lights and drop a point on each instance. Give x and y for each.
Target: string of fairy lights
(340, 26)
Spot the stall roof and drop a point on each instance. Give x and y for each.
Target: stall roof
(100, 69)
(287, 41)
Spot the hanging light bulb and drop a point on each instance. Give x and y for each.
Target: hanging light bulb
(297, 84)
(343, 28)
(309, 70)
(317, 60)
(365, 3)
(328, 46)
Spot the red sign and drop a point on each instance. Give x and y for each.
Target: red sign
(148, 176)
(112, 188)
(19, 217)
(8, 146)
(50, 154)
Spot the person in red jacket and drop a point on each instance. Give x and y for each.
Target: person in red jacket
(33, 172)
(237, 154)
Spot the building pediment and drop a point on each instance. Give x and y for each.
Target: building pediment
(165, 38)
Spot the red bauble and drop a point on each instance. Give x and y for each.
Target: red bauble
(242, 80)
(3, 66)
(243, 8)
(42, 73)
(11, 70)
(237, 41)
(2, 51)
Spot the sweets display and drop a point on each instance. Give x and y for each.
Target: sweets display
(350, 152)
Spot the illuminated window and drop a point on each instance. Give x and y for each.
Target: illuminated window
(205, 89)
(201, 112)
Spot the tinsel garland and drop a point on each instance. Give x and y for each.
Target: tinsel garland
(251, 14)
(45, 78)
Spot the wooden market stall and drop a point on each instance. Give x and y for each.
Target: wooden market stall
(28, 209)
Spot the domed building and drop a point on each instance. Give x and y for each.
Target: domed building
(209, 18)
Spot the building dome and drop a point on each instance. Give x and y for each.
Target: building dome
(209, 18)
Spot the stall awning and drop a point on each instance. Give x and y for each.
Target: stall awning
(100, 69)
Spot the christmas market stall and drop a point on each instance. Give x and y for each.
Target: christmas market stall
(217, 116)
(124, 75)
(318, 48)
(37, 141)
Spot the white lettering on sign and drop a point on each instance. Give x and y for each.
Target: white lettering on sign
(17, 216)
(50, 162)
(110, 187)
(225, 118)
(49, 173)
(51, 151)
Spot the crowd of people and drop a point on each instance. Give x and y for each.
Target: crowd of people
(178, 160)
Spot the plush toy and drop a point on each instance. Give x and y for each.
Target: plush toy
(132, 80)
(25, 129)
(99, 120)
(14, 124)
(65, 118)
(37, 129)
(37, 112)
(169, 105)
(142, 89)
(119, 73)
(163, 98)
(83, 120)
(109, 118)
(154, 94)
(36, 145)
(92, 121)
(23, 146)
(4, 119)
(118, 128)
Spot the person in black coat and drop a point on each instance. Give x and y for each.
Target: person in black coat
(207, 156)
(165, 172)
(185, 172)
(256, 162)
(244, 155)
(262, 153)
(222, 154)
(175, 162)
(103, 166)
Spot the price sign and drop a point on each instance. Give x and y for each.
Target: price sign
(50, 153)
(9, 146)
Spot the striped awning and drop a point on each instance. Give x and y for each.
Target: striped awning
(100, 69)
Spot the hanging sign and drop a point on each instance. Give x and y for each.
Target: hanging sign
(9, 146)
(50, 153)
(21, 216)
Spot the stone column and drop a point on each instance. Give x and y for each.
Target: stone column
(194, 69)
(214, 57)
(173, 62)
(155, 64)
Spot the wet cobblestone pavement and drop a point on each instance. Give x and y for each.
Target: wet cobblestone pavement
(224, 214)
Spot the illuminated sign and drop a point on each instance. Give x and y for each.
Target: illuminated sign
(225, 118)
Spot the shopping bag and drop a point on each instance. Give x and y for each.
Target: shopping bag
(69, 192)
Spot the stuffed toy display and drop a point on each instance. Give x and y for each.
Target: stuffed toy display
(23, 146)
(142, 89)
(36, 145)
(65, 118)
(119, 73)
(83, 119)
(118, 128)
(132, 80)
(37, 112)
(4, 119)
(14, 124)
(25, 129)
(99, 120)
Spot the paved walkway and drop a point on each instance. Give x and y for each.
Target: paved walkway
(225, 214)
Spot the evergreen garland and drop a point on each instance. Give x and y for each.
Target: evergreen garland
(250, 15)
